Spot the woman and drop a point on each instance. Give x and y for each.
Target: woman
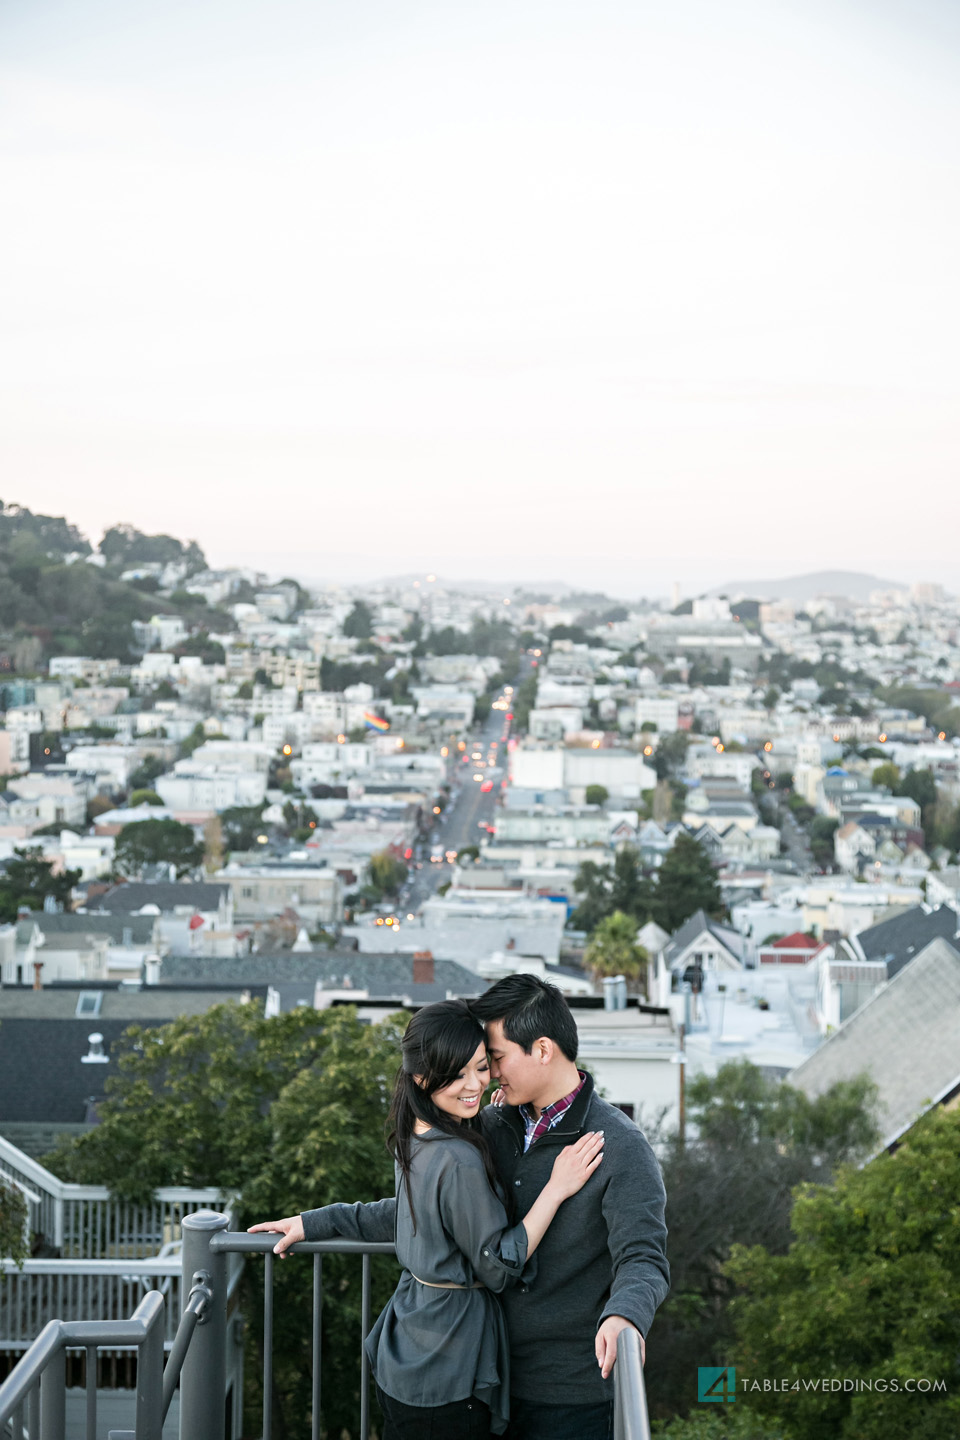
(439, 1349)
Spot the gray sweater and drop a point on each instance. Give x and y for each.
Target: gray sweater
(604, 1254)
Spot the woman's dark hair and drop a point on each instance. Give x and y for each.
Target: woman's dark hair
(529, 1008)
(439, 1041)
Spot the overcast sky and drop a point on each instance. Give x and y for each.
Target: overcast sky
(618, 293)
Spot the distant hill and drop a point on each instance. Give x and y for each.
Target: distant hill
(801, 588)
(53, 603)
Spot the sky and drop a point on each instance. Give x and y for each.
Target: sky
(614, 293)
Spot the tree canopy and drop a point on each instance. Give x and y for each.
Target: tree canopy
(125, 546)
(359, 623)
(286, 1113)
(27, 879)
(386, 872)
(751, 1141)
(685, 882)
(870, 1288)
(613, 949)
(154, 842)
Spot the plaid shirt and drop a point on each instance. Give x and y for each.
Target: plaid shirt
(549, 1115)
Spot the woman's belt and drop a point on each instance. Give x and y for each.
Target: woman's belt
(447, 1284)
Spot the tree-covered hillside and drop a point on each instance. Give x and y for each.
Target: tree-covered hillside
(52, 602)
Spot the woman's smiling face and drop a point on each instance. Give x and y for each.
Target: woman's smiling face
(461, 1098)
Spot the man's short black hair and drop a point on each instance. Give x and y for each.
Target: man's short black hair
(529, 1008)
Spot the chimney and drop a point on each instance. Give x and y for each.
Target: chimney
(37, 967)
(614, 992)
(151, 970)
(423, 973)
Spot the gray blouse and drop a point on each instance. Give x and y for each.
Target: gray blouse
(434, 1346)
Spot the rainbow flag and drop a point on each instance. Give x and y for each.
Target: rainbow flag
(375, 722)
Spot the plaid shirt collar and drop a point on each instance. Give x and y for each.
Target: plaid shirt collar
(549, 1115)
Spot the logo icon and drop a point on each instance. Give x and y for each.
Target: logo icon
(717, 1383)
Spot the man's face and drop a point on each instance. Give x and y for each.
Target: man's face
(519, 1076)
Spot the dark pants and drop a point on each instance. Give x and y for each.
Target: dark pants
(530, 1420)
(462, 1420)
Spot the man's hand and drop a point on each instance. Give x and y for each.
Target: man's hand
(606, 1346)
(291, 1228)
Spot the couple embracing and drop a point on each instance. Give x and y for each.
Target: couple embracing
(531, 1233)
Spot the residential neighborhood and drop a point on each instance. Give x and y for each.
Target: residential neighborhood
(726, 827)
(413, 769)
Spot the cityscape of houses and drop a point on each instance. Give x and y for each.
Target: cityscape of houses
(387, 794)
(726, 826)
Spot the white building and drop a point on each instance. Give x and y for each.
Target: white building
(207, 789)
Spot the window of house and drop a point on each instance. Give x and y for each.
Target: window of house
(628, 1110)
(88, 1004)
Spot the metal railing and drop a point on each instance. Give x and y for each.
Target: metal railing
(85, 1222)
(631, 1420)
(32, 1399)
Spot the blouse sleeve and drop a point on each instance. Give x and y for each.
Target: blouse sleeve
(374, 1222)
(477, 1222)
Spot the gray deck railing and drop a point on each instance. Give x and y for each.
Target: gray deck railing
(35, 1391)
(86, 1222)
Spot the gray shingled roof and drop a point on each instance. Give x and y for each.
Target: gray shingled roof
(141, 927)
(903, 936)
(151, 1005)
(381, 975)
(695, 926)
(166, 895)
(906, 1037)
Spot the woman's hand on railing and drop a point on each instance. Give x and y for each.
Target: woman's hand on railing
(291, 1232)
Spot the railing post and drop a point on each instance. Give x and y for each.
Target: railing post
(203, 1381)
(53, 1397)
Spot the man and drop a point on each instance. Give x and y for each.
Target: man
(601, 1266)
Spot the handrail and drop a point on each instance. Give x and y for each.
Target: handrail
(631, 1419)
(38, 1382)
(36, 1388)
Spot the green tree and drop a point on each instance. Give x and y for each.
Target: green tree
(686, 882)
(921, 786)
(386, 872)
(359, 623)
(241, 824)
(524, 699)
(887, 775)
(13, 1219)
(193, 741)
(592, 883)
(730, 1180)
(670, 754)
(597, 795)
(286, 1114)
(714, 1422)
(613, 950)
(27, 879)
(149, 769)
(144, 797)
(605, 889)
(870, 1288)
(820, 834)
(154, 842)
